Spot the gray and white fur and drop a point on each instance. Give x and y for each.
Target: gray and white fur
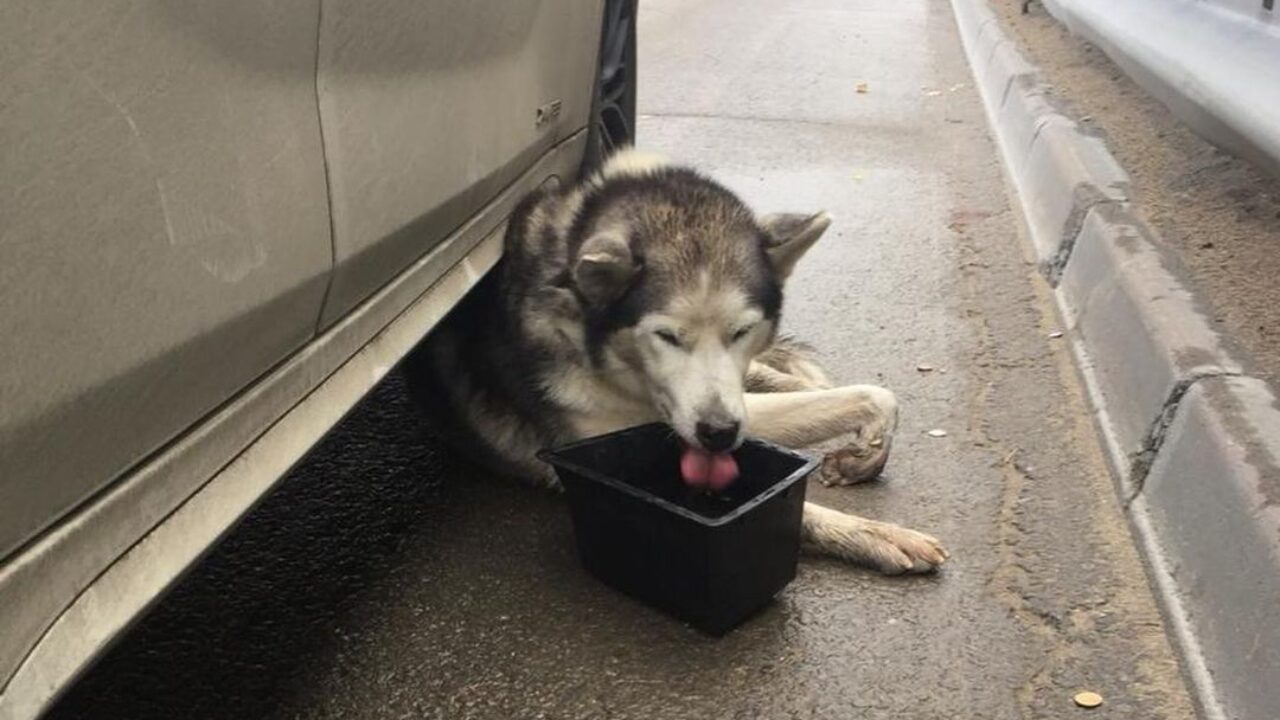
(650, 293)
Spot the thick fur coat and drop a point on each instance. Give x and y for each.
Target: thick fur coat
(651, 293)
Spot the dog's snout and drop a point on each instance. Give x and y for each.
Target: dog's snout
(718, 437)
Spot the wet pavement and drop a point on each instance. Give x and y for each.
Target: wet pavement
(387, 579)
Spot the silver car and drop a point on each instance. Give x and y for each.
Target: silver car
(221, 223)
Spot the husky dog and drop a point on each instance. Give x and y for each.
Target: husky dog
(650, 293)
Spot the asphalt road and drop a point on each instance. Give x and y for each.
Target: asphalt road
(386, 579)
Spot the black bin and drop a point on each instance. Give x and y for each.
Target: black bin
(711, 560)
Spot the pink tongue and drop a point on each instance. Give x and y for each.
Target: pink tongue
(701, 469)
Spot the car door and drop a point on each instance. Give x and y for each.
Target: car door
(164, 228)
(429, 108)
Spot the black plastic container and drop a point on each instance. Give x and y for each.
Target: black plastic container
(711, 560)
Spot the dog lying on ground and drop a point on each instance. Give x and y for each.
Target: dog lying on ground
(650, 293)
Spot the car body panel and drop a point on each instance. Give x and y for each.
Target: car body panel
(429, 109)
(167, 251)
(166, 230)
(68, 594)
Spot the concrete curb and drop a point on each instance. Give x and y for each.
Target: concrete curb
(1211, 511)
(1193, 444)
(1142, 337)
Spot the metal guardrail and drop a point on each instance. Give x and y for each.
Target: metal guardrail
(1214, 63)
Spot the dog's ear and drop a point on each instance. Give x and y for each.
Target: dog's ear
(789, 235)
(605, 268)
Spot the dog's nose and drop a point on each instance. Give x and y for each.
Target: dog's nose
(719, 437)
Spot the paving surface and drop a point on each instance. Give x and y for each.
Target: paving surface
(1221, 214)
(385, 579)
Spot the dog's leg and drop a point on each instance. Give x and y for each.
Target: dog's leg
(866, 413)
(869, 414)
(786, 366)
(886, 547)
(762, 378)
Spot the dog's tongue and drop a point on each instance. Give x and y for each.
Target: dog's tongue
(701, 469)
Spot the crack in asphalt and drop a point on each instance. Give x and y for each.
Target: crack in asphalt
(1010, 573)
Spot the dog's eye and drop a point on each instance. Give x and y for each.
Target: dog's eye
(668, 337)
(740, 333)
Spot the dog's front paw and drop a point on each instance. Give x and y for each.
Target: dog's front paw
(889, 548)
(859, 461)
(866, 453)
(894, 550)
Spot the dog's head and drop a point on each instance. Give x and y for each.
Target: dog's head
(682, 286)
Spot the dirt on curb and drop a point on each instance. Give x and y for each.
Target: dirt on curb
(1218, 212)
